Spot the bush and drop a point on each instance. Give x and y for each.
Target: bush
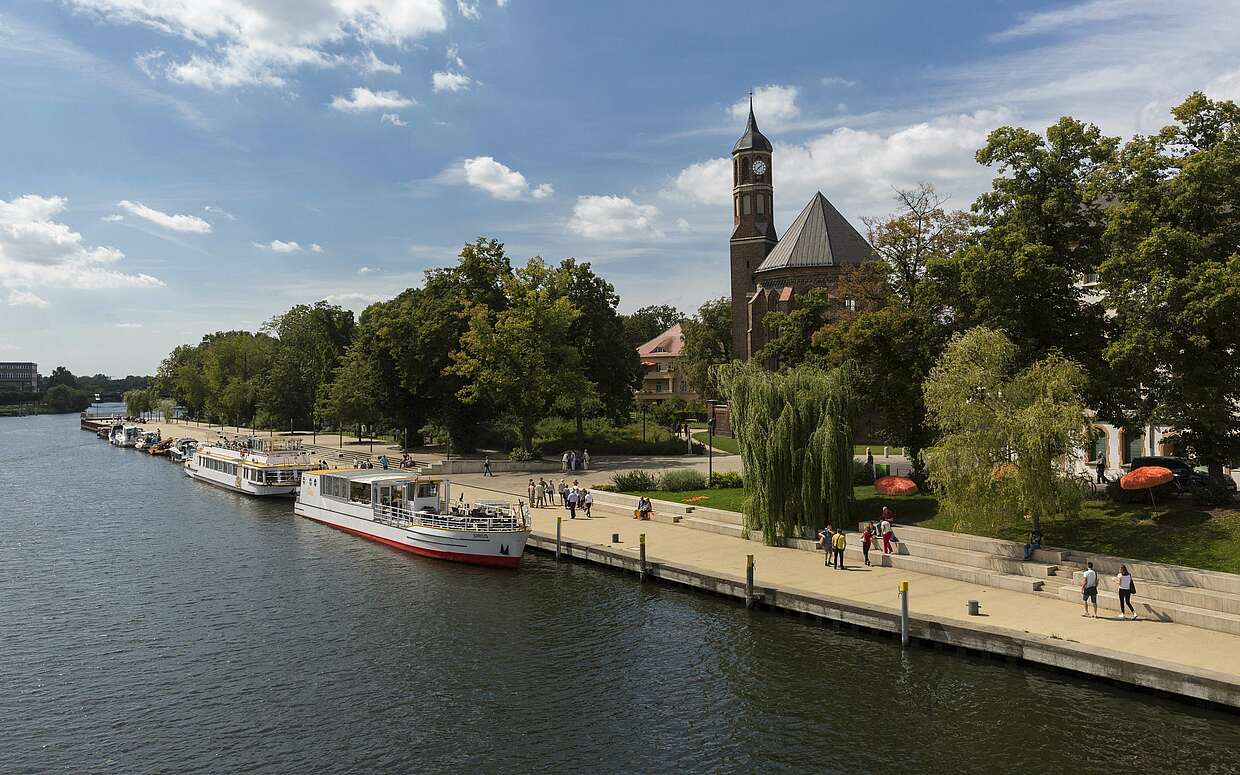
(1210, 495)
(726, 480)
(556, 434)
(682, 480)
(521, 455)
(634, 481)
(862, 474)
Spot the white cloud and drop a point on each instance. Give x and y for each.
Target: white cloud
(468, 9)
(363, 99)
(186, 223)
(113, 218)
(366, 270)
(38, 251)
(263, 42)
(613, 217)
(1069, 17)
(393, 119)
(146, 62)
(774, 106)
(454, 58)
(501, 3)
(353, 300)
(129, 325)
(448, 81)
(316, 247)
(706, 182)
(278, 246)
(373, 65)
(219, 211)
(836, 80)
(18, 298)
(497, 179)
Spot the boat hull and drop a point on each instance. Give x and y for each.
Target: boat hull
(495, 550)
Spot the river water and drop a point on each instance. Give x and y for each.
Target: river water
(149, 623)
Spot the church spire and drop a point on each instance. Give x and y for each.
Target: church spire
(752, 139)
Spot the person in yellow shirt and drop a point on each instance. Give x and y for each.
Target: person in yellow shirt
(838, 543)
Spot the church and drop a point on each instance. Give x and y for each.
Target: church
(769, 273)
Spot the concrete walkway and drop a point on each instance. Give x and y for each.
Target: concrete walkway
(795, 570)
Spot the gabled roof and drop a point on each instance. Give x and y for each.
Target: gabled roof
(672, 342)
(752, 139)
(819, 236)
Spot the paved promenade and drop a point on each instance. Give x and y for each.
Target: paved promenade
(797, 571)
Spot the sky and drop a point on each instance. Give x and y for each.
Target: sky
(169, 168)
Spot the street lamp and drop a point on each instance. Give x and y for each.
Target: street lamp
(710, 443)
(643, 405)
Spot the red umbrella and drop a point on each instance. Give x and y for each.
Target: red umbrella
(895, 485)
(1146, 478)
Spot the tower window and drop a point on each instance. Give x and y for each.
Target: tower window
(746, 207)
(761, 204)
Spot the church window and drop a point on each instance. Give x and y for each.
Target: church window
(744, 172)
(761, 204)
(737, 203)
(746, 207)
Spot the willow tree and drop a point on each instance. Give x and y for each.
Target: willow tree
(1007, 434)
(795, 433)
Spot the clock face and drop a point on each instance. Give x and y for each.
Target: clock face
(759, 167)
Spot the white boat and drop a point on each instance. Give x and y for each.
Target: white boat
(252, 465)
(128, 435)
(416, 514)
(147, 440)
(182, 450)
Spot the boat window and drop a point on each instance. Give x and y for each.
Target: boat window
(359, 492)
(335, 487)
(428, 490)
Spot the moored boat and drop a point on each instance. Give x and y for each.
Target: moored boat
(127, 435)
(415, 514)
(251, 465)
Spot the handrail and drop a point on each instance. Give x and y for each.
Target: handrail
(493, 519)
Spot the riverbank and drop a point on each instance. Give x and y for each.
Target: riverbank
(1162, 656)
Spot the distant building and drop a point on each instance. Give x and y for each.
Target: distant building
(662, 378)
(19, 377)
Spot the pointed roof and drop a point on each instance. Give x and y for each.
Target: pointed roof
(819, 236)
(752, 139)
(670, 342)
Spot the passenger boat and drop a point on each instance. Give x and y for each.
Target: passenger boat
(182, 450)
(128, 435)
(251, 465)
(416, 514)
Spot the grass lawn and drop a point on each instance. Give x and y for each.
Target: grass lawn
(724, 443)
(1178, 532)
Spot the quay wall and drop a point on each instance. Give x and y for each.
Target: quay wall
(1099, 663)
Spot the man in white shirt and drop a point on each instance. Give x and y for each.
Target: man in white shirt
(1089, 588)
(572, 503)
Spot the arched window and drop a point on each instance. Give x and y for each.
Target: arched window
(746, 168)
(746, 207)
(1131, 445)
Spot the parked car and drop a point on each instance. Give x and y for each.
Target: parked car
(1186, 477)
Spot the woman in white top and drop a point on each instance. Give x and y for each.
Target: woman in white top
(1124, 580)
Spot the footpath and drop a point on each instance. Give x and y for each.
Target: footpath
(1042, 629)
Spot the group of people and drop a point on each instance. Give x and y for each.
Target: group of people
(834, 541)
(571, 497)
(1123, 581)
(571, 461)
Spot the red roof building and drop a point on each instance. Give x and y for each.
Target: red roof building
(662, 378)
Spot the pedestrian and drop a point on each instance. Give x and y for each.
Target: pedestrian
(869, 463)
(486, 466)
(572, 504)
(541, 492)
(383, 462)
(1126, 589)
(838, 543)
(1089, 588)
(826, 542)
(531, 490)
(563, 494)
(585, 460)
(885, 528)
(1101, 469)
(564, 462)
(587, 501)
(572, 460)
(867, 538)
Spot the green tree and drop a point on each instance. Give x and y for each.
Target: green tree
(791, 333)
(235, 364)
(1006, 432)
(1173, 280)
(353, 397)
(181, 376)
(520, 358)
(62, 376)
(708, 342)
(137, 402)
(648, 322)
(310, 342)
(61, 398)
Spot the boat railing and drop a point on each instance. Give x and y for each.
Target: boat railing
(479, 518)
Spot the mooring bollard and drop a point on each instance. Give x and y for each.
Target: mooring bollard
(749, 581)
(558, 520)
(641, 573)
(903, 613)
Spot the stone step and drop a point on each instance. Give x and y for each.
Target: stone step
(995, 546)
(1162, 611)
(1190, 596)
(1171, 575)
(695, 522)
(973, 558)
(971, 574)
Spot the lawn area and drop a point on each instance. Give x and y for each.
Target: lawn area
(724, 443)
(1179, 533)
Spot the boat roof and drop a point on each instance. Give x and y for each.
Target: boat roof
(369, 475)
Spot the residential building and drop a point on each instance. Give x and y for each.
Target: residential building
(19, 377)
(662, 378)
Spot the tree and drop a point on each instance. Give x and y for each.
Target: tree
(794, 430)
(234, 365)
(311, 341)
(791, 333)
(708, 342)
(917, 234)
(520, 358)
(61, 398)
(137, 402)
(648, 322)
(181, 376)
(1173, 280)
(1006, 432)
(62, 376)
(1039, 230)
(353, 395)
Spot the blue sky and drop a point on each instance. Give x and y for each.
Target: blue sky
(174, 167)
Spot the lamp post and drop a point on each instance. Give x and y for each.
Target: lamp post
(643, 422)
(710, 442)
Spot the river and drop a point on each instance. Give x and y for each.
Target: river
(149, 623)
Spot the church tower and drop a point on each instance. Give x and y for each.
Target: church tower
(753, 224)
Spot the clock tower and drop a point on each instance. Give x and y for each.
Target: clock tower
(753, 224)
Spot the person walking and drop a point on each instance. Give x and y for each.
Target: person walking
(572, 460)
(838, 543)
(563, 494)
(885, 528)
(541, 493)
(587, 500)
(585, 460)
(1101, 469)
(1126, 589)
(531, 491)
(486, 466)
(826, 542)
(867, 538)
(564, 462)
(572, 504)
(1089, 588)
(383, 461)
